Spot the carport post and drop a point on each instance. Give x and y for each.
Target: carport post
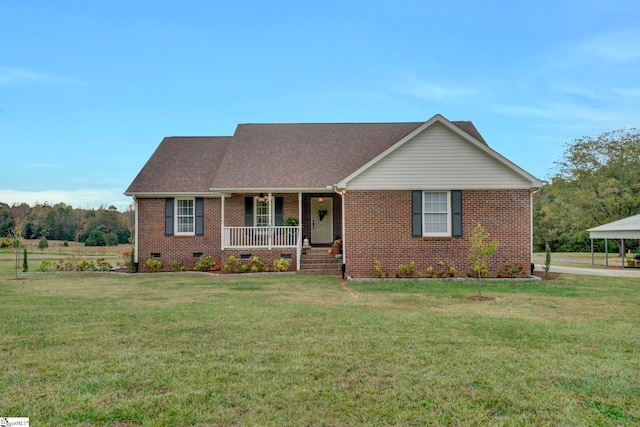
(606, 252)
(592, 264)
(622, 253)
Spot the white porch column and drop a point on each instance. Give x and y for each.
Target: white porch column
(222, 222)
(344, 237)
(299, 242)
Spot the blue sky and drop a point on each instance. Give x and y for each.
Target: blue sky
(89, 89)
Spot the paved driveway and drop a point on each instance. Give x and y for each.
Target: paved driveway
(611, 272)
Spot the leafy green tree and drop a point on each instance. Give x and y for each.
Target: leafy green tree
(480, 252)
(597, 181)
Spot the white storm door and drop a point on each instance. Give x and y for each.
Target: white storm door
(321, 224)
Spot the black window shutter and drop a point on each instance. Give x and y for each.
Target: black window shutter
(248, 211)
(456, 213)
(279, 208)
(416, 213)
(168, 217)
(199, 216)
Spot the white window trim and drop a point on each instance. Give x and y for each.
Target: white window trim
(449, 231)
(271, 211)
(175, 216)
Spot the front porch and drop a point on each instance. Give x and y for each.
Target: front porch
(252, 222)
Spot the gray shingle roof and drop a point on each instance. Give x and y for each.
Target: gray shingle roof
(270, 156)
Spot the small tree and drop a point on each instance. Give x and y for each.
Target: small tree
(547, 259)
(480, 252)
(25, 263)
(17, 243)
(43, 243)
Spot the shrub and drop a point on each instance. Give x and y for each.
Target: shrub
(44, 266)
(102, 265)
(547, 259)
(96, 238)
(281, 264)
(67, 264)
(154, 265)
(511, 271)
(25, 263)
(65, 244)
(232, 264)
(204, 263)
(377, 266)
(43, 243)
(85, 265)
(256, 265)
(178, 266)
(407, 270)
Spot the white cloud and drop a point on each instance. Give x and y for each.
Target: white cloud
(570, 114)
(12, 75)
(82, 198)
(620, 46)
(628, 92)
(438, 92)
(410, 84)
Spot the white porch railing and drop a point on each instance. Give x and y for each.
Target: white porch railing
(262, 237)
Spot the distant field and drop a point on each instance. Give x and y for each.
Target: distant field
(283, 349)
(57, 247)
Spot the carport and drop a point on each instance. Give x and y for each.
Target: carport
(627, 228)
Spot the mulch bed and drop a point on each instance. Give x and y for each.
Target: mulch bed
(543, 276)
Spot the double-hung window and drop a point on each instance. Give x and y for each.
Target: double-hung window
(185, 216)
(262, 213)
(436, 213)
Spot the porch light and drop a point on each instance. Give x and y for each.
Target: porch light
(262, 198)
(320, 199)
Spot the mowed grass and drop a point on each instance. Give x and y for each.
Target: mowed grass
(282, 349)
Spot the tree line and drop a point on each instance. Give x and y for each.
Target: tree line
(94, 227)
(596, 181)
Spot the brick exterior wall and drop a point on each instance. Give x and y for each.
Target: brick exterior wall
(151, 237)
(378, 227)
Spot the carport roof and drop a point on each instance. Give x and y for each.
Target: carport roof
(627, 228)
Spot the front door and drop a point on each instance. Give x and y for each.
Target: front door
(321, 220)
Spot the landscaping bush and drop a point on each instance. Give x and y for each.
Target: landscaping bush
(154, 265)
(204, 263)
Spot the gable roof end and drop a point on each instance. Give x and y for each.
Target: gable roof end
(466, 130)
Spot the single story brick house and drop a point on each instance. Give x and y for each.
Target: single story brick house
(392, 192)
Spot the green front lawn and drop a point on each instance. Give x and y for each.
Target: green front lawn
(196, 349)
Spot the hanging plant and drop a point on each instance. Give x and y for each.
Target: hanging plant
(322, 211)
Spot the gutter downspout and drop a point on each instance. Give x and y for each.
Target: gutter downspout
(531, 222)
(135, 237)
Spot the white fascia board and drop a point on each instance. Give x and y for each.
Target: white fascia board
(615, 234)
(535, 182)
(178, 194)
(274, 190)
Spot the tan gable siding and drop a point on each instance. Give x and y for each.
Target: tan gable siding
(438, 158)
